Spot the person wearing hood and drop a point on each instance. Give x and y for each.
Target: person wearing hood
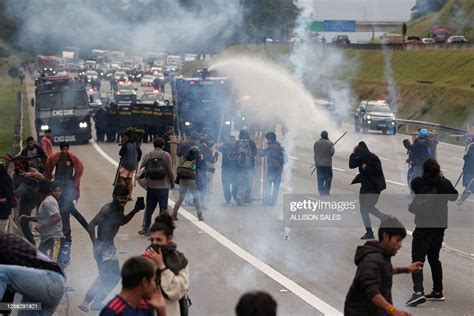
(276, 158)
(372, 182)
(371, 289)
(430, 206)
(246, 152)
(421, 150)
(467, 173)
(323, 152)
(172, 276)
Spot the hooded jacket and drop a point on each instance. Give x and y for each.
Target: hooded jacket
(468, 167)
(440, 191)
(371, 178)
(373, 276)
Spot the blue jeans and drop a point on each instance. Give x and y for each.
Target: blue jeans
(229, 183)
(35, 285)
(324, 175)
(272, 187)
(245, 185)
(155, 197)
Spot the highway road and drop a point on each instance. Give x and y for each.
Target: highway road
(238, 249)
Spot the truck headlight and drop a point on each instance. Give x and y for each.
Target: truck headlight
(393, 123)
(83, 124)
(227, 122)
(187, 123)
(368, 122)
(44, 127)
(369, 117)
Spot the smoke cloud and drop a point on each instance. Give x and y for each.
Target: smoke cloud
(131, 25)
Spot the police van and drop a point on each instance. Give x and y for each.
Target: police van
(61, 104)
(203, 102)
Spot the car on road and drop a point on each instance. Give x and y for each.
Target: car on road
(120, 76)
(441, 34)
(375, 115)
(392, 39)
(147, 80)
(457, 39)
(428, 41)
(341, 39)
(414, 40)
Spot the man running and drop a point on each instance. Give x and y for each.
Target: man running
(108, 222)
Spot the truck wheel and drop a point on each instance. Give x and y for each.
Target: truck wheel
(384, 131)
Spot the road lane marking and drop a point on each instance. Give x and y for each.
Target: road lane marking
(383, 158)
(457, 158)
(278, 277)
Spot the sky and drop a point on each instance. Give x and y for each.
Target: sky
(368, 10)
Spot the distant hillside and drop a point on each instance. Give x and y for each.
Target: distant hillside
(457, 14)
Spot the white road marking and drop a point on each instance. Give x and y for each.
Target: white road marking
(457, 158)
(383, 158)
(396, 183)
(284, 281)
(339, 169)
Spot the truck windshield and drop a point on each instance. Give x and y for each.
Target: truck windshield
(62, 100)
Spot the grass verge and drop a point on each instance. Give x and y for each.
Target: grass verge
(7, 110)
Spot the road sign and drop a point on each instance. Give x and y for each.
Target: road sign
(13, 72)
(339, 26)
(316, 26)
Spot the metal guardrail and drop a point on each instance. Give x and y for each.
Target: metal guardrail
(429, 125)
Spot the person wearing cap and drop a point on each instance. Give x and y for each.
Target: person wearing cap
(49, 221)
(66, 169)
(46, 143)
(420, 151)
(323, 153)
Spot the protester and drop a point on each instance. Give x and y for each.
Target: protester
(167, 138)
(100, 120)
(130, 155)
(66, 169)
(371, 289)
(7, 198)
(372, 182)
(256, 304)
(34, 154)
(410, 171)
(108, 222)
(156, 168)
(29, 273)
(189, 180)
(467, 174)
(46, 144)
(140, 295)
(49, 222)
(173, 271)
(430, 206)
(246, 152)
(276, 158)
(420, 151)
(228, 169)
(323, 152)
(183, 148)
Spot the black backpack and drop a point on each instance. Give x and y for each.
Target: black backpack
(156, 168)
(244, 154)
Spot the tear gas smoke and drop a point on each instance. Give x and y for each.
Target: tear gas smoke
(131, 25)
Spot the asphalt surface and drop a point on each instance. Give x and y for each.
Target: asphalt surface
(238, 249)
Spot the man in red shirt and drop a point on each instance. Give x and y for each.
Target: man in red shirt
(46, 143)
(140, 295)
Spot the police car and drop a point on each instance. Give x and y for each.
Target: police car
(375, 115)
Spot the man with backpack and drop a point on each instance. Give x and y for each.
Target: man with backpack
(275, 155)
(430, 206)
(156, 168)
(190, 177)
(246, 152)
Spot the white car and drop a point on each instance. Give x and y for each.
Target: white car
(457, 39)
(428, 41)
(147, 80)
(121, 76)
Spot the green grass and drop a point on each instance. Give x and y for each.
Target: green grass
(457, 14)
(7, 110)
